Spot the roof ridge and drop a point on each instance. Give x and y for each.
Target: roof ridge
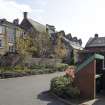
(89, 41)
(92, 42)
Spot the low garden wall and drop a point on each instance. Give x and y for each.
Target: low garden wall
(43, 61)
(33, 66)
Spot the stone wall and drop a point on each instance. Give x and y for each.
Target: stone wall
(46, 61)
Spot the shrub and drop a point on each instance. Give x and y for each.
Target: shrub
(46, 68)
(72, 92)
(34, 69)
(42, 71)
(36, 66)
(60, 66)
(49, 66)
(63, 87)
(72, 62)
(16, 69)
(21, 69)
(6, 69)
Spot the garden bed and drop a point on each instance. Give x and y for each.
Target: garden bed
(19, 71)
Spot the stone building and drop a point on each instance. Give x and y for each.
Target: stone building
(38, 33)
(29, 24)
(96, 44)
(8, 33)
(69, 45)
(61, 44)
(90, 76)
(74, 47)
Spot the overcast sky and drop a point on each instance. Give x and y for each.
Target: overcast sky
(81, 18)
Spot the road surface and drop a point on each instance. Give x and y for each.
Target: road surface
(30, 90)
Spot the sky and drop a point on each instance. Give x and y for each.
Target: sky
(81, 18)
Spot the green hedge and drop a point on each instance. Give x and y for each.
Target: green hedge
(63, 87)
(60, 66)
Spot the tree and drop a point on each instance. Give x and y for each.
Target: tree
(72, 62)
(23, 47)
(60, 49)
(34, 43)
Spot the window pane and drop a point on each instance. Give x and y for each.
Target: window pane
(10, 33)
(0, 29)
(0, 43)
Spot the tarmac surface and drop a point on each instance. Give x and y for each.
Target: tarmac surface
(29, 90)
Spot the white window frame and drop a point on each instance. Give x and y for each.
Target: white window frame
(10, 34)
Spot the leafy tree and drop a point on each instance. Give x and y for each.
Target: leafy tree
(60, 49)
(34, 43)
(72, 62)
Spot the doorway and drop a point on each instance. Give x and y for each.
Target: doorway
(99, 76)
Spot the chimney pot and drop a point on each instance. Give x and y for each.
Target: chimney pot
(96, 35)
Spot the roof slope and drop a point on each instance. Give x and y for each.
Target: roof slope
(73, 44)
(90, 59)
(7, 23)
(39, 27)
(96, 42)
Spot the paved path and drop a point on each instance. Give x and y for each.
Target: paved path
(31, 90)
(100, 100)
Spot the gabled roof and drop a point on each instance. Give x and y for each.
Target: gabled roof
(28, 23)
(6, 23)
(39, 27)
(96, 42)
(73, 44)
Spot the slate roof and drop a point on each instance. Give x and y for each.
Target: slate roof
(73, 44)
(6, 23)
(39, 27)
(96, 42)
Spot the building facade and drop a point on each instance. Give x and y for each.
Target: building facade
(91, 69)
(71, 45)
(8, 34)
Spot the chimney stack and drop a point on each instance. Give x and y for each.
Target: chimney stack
(16, 21)
(25, 15)
(96, 35)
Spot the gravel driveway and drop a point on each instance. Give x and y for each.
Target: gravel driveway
(30, 90)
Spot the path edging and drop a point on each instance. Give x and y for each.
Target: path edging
(63, 100)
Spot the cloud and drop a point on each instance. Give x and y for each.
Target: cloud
(11, 9)
(21, 7)
(42, 2)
